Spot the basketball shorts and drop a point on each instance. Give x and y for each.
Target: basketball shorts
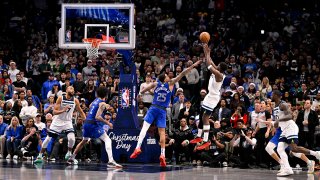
(290, 134)
(156, 115)
(58, 127)
(92, 130)
(209, 103)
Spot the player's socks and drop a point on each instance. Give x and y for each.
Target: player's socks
(206, 129)
(163, 151)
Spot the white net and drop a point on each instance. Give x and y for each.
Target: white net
(92, 47)
(92, 52)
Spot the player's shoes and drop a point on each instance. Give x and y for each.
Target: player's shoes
(204, 145)
(135, 153)
(67, 156)
(196, 140)
(72, 161)
(318, 155)
(162, 161)
(311, 167)
(285, 172)
(39, 160)
(113, 164)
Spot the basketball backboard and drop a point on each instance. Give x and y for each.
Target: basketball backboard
(113, 23)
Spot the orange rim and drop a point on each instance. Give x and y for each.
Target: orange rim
(95, 43)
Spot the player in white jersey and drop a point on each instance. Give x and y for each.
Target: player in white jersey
(212, 98)
(286, 134)
(62, 121)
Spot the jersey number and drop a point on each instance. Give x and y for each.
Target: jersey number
(162, 97)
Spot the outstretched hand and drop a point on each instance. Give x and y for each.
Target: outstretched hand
(206, 49)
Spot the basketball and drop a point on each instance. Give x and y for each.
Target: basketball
(204, 37)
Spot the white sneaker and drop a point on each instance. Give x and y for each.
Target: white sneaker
(67, 156)
(113, 164)
(317, 155)
(8, 156)
(311, 167)
(285, 172)
(15, 157)
(282, 168)
(1, 156)
(72, 161)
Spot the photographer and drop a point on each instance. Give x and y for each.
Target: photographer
(244, 144)
(30, 142)
(215, 155)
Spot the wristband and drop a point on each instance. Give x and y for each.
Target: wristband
(209, 67)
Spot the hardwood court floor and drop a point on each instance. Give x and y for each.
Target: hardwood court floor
(83, 171)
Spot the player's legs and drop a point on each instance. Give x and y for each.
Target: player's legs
(299, 149)
(284, 159)
(270, 150)
(71, 142)
(45, 145)
(206, 128)
(272, 144)
(108, 146)
(303, 157)
(162, 134)
(149, 118)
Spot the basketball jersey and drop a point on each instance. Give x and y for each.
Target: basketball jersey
(94, 109)
(66, 116)
(214, 87)
(278, 114)
(162, 95)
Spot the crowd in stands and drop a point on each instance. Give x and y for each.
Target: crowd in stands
(265, 49)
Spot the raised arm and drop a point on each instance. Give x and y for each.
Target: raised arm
(184, 72)
(211, 66)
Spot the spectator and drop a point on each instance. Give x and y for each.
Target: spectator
(47, 86)
(29, 111)
(13, 71)
(30, 142)
(55, 92)
(307, 120)
(147, 96)
(22, 96)
(193, 79)
(186, 112)
(86, 71)
(3, 127)
(79, 85)
(142, 111)
(265, 87)
(40, 125)
(49, 106)
(35, 100)
(19, 85)
(175, 110)
(181, 138)
(222, 113)
(13, 137)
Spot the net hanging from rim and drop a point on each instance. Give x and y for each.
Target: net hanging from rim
(92, 45)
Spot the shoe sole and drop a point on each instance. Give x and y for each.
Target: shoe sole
(162, 162)
(135, 155)
(202, 147)
(195, 141)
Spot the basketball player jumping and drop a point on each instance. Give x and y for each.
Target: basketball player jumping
(211, 99)
(157, 111)
(93, 128)
(62, 121)
(286, 134)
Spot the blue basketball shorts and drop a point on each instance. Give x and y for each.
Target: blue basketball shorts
(92, 130)
(156, 115)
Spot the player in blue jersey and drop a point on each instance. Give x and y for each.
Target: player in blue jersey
(157, 111)
(93, 127)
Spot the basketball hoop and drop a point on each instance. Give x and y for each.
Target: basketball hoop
(92, 45)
